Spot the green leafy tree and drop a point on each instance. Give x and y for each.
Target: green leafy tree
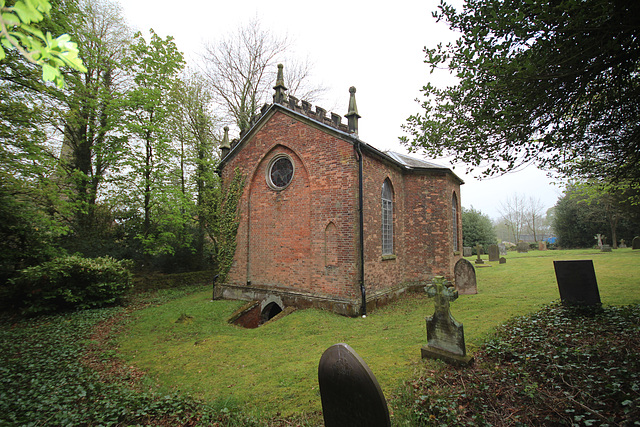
(18, 31)
(153, 183)
(193, 124)
(477, 228)
(554, 83)
(90, 117)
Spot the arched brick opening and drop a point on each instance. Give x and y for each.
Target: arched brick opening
(270, 311)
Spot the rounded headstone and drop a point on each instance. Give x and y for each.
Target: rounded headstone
(350, 393)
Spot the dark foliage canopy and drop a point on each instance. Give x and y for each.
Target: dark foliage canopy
(578, 218)
(555, 83)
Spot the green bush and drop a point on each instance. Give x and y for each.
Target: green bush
(71, 282)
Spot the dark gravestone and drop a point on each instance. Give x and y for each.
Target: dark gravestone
(577, 282)
(522, 247)
(350, 393)
(465, 277)
(494, 253)
(635, 243)
(503, 260)
(445, 335)
(467, 251)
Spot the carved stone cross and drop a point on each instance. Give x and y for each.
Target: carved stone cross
(445, 335)
(478, 248)
(443, 295)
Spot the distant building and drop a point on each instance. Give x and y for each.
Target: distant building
(327, 220)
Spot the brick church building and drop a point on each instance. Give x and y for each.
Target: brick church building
(329, 221)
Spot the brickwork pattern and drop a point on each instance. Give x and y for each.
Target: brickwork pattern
(305, 237)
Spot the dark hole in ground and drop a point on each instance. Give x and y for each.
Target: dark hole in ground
(251, 317)
(269, 312)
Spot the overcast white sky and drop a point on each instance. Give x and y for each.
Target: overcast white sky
(377, 49)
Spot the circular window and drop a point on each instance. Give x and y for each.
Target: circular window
(280, 172)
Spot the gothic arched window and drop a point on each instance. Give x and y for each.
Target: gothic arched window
(387, 218)
(454, 219)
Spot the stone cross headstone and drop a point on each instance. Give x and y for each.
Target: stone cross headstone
(479, 252)
(494, 253)
(599, 237)
(503, 249)
(622, 244)
(635, 243)
(465, 277)
(467, 251)
(350, 393)
(445, 335)
(577, 282)
(522, 247)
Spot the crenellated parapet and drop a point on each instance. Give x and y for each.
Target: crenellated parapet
(316, 113)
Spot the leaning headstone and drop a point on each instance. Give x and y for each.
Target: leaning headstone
(503, 260)
(635, 243)
(494, 253)
(467, 251)
(606, 248)
(503, 249)
(350, 393)
(522, 247)
(465, 277)
(577, 282)
(479, 252)
(445, 335)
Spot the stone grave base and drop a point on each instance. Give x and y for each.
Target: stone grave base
(446, 356)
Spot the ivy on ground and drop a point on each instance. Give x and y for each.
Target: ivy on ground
(559, 366)
(57, 370)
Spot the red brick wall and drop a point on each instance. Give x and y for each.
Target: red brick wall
(305, 237)
(422, 225)
(301, 237)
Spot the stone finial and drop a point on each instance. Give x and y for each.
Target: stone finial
(352, 116)
(225, 146)
(280, 96)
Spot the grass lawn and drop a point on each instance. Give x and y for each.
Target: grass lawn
(273, 369)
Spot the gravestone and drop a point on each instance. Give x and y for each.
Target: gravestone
(622, 244)
(577, 282)
(542, 245)
(635, 243)
(522, 247)
(350, 393)
(465, 277)
(467, 251)
(605, 248)
(599, 237)
(479, 252)
(503, 260)
(494, 253)
(503, 249)
(445, 335)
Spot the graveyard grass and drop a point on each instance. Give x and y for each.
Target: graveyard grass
(187, 346)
